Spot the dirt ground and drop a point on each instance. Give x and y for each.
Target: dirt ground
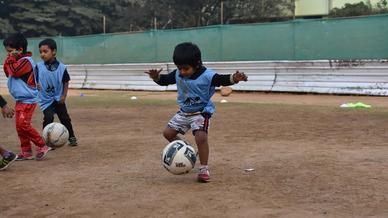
(310, 159)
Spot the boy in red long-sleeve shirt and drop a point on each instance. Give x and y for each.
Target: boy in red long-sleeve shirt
(19, 68)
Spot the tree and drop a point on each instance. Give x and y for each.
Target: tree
(382, 6)
(80, 17)
(243, 11)
(349, 10)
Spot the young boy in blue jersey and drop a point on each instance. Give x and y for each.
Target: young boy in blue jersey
(8, 156)
(196, 85)
(19, 69)
(53, 80)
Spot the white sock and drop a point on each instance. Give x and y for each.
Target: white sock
(204, 167)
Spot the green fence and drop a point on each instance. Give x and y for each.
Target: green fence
(351, 38)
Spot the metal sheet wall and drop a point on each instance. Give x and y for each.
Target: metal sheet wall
(367, 77)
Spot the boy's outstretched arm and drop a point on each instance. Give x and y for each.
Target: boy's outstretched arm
(163, 80)
(228, 79)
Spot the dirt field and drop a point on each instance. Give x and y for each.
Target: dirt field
(310, 159)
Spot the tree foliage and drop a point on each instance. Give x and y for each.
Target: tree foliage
(360, 9)
(80, 17)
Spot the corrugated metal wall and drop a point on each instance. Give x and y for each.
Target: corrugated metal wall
(335, 77)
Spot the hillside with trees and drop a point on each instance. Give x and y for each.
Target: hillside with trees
(81, 17)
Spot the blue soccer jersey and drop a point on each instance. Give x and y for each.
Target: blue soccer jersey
(51, 84)
(20, 90)
(194, 94)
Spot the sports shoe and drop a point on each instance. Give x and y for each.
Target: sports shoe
(7, 161)
(73, 141)
(41, 152)
(24, 156)
(203, 175)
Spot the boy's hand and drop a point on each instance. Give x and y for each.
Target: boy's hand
(62, 100)
(10, 59)
(15, 53)
(239, 76)
(154, 73)
(7, 112)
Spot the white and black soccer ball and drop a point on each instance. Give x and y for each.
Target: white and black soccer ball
(55, 135)
(178, 157)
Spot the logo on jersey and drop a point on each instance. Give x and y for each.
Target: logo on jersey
(191, 101)
(50, 90)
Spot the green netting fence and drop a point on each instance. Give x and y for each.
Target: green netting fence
(318, 39)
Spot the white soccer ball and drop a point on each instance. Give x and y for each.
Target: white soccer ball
(178, 157)
(55, 135)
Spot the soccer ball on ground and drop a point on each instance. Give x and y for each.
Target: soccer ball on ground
(55, 135)
(178, 157)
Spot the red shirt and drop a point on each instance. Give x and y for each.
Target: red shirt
(20, 68)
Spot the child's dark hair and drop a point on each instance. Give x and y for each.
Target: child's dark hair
(50, 43)
(187, 53)
(17, 41)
